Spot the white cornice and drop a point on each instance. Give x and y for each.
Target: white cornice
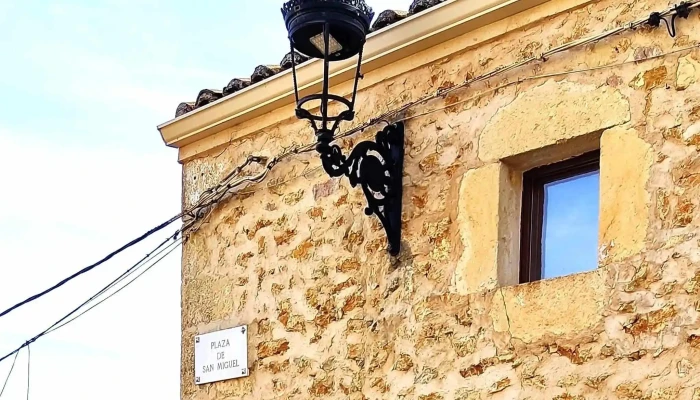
(402, 39)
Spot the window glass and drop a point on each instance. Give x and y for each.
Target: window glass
(570, 228)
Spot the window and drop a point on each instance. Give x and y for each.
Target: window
(560, 218)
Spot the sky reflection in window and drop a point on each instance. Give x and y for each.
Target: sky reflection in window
(570, 230)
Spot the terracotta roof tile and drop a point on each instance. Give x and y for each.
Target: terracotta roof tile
(387, 18)
(262, 72)
(422, 5)
(286, 62)
(235, 85)
(184, 108)
(207, 96)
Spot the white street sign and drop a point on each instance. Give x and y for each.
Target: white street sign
(221, 355)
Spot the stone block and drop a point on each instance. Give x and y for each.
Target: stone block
(488, 222)
(625, 160)
(550, 308)
(549, 114)
(687, 72)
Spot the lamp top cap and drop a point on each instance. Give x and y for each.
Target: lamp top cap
(358, 7)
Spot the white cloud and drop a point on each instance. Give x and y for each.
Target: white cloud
(64, 208)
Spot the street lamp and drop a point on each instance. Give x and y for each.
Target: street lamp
(335, 30)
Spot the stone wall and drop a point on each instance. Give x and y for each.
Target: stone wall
(331, 315)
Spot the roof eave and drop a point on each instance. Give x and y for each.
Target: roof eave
(411, 35)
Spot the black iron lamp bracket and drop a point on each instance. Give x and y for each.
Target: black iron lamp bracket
(377, 166)
(335, 30)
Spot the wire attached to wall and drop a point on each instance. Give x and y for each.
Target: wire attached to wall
(229, 185)
(681, 10)
(195, 215)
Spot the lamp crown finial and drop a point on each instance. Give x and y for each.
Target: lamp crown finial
(358, 6)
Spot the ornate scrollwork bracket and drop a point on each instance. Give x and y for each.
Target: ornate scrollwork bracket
(377, 166)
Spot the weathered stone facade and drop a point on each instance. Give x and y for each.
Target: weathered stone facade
(331, 315)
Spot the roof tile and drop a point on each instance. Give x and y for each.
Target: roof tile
(286, 62)
(263, 72)
(184, 108)
(235, 85)
(207, 96)
(422, 5)
(387, 18)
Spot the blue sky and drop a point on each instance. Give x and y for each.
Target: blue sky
(83, 86)
(570, 242)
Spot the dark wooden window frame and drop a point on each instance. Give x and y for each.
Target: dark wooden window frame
(532, 217)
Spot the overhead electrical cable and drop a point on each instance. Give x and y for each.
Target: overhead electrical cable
(214, 195)
(231, 184)
(9, 374)
(90, 267)
(60, 323)
(29, 360)
(176, 244)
